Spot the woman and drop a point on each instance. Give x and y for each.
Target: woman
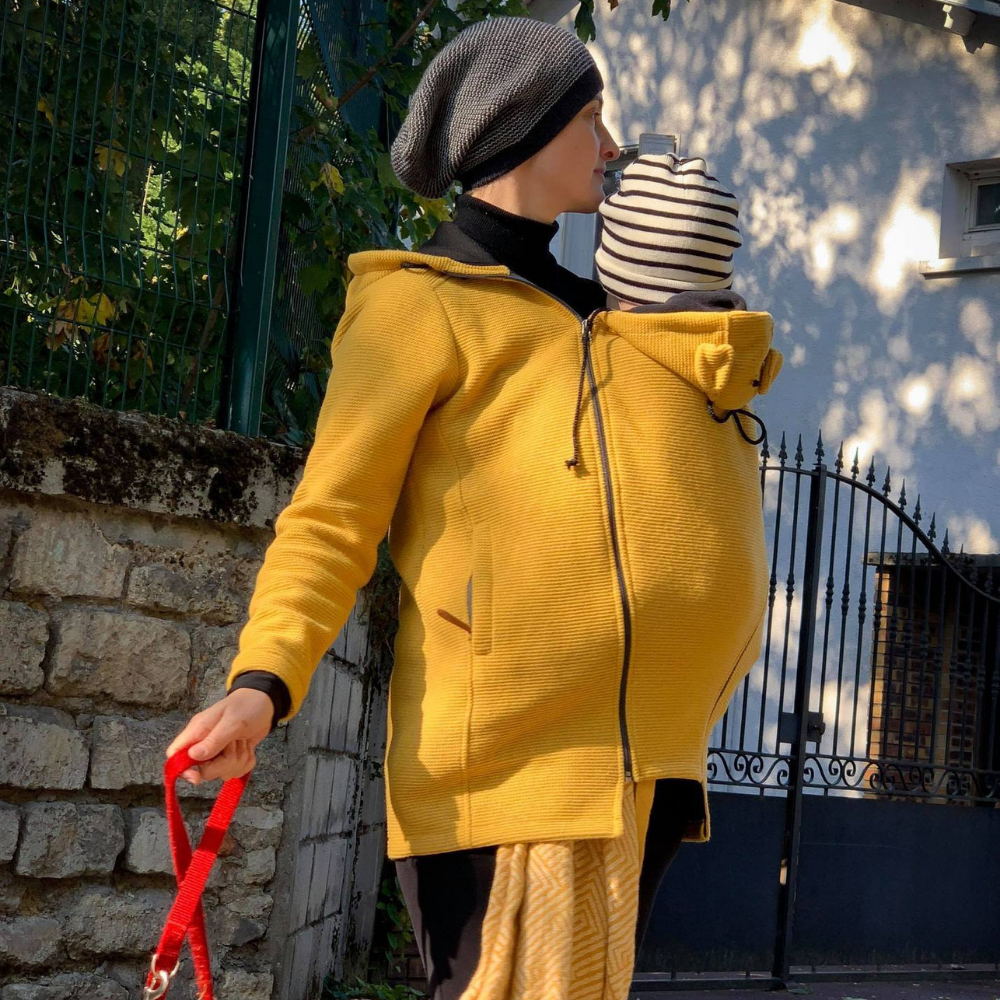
(545, 708)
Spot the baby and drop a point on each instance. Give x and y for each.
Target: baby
(667, 247)
(668, 238)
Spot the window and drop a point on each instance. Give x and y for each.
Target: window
(985, 208)
(970, 220)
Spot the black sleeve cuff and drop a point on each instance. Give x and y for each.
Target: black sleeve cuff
(272, 685)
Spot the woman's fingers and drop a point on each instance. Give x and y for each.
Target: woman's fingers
(197, 729)
(236, 759)
(223, 737)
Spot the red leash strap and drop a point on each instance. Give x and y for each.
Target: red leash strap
(186, 917)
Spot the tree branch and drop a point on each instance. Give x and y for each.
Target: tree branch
(364, 80)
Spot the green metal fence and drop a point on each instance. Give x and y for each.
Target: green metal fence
(146, 149)
(330, 35)
(122, 126)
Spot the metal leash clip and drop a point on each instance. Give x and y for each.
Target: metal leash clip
(160, 981)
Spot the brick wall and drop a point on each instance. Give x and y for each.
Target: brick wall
(128, 551)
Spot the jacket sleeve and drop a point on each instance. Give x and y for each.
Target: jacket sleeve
(393, 359)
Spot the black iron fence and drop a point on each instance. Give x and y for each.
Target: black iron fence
(861, 754)
(880, 647)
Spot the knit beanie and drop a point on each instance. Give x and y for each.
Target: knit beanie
(498, 92)
(671, 227)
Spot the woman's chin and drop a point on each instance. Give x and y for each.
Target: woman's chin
(589, 203)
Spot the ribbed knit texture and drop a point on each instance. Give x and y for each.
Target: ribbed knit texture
(449, 412)
(497, 93)
(560, 922)
(671, 227)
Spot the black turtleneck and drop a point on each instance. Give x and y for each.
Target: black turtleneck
(481, 233)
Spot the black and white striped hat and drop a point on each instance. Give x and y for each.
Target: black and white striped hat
(671, 227)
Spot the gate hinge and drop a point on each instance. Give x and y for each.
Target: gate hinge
(788, 727)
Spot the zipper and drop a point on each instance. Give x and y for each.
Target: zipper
(609, 496)
(626, 610)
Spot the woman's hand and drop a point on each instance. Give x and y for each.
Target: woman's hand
(225, 735)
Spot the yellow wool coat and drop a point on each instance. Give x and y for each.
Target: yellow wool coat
(562, 627)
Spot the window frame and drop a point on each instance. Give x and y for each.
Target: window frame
(964, 247)
(978, 179)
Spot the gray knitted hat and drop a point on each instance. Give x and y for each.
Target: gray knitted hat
(497, 93)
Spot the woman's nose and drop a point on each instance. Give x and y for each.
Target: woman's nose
(609, 148)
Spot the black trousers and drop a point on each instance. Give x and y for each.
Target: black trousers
(446, 894)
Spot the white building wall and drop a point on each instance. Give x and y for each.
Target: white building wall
(833, 124)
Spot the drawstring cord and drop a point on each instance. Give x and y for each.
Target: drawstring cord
(575, 460)
(735, 415)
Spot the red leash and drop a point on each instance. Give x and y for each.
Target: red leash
(186, 917)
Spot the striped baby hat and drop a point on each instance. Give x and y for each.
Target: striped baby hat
(671, 227)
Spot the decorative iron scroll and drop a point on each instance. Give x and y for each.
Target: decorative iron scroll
(897, 662)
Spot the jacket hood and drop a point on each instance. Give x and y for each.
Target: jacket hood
(726, 355)
(449, 250)
(368, 262)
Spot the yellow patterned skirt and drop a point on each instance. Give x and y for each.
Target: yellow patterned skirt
(560, 921)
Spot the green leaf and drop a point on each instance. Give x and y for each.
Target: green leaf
(314, 278)
(308, 62)
(386, 175)
(295, 206)
(584, 21)
(661, 7)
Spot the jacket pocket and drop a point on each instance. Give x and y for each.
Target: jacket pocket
(480, 595)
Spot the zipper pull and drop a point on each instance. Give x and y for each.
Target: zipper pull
(585, 339)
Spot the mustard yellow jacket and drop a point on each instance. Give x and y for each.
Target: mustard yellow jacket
(562, 626)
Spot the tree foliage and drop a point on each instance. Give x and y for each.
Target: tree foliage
(122, 137)
(122, 161)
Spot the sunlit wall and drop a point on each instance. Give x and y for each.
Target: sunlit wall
(833, 124)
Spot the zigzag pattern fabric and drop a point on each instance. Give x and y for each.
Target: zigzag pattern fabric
(560, 921)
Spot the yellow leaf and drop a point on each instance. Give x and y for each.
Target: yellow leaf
(63, 326)
(84, 311)
(100, 346)
(116, 155)
(46, 109)
(330, 177)
(59, 332)
(104, 308)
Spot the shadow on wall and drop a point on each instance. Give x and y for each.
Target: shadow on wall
(833, 124)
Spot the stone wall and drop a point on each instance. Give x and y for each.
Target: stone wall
(129, 546)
